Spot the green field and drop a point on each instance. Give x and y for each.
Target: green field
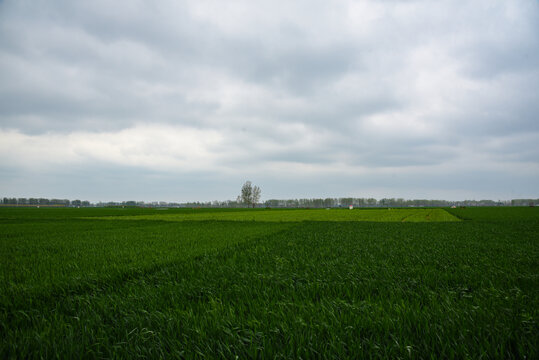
(377, 215)
(220, 283)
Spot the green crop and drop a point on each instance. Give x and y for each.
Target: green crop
(378, 215)
(214, 288)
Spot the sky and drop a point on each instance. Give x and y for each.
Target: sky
(186, 100)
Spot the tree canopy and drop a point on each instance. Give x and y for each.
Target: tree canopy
(250, 195)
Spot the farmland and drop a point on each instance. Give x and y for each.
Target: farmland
(377, 215)
(195, 283)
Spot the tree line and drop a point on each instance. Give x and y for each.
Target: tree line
(250, 197)
(372, 202)
(43, 202)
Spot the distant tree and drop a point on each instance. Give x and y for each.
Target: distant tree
(272, 203)
(371, 201)
(329, 202)
(250, 195)
(246, 193)
(346, 201)
(318, 203)
(256, 195)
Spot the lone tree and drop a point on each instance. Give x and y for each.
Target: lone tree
(250, 195)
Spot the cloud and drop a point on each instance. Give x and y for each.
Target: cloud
(176, 149)
(305, 89)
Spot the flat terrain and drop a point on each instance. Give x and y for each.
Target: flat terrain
(378, 215)
(195, 283)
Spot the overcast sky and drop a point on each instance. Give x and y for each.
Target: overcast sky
(185, 100)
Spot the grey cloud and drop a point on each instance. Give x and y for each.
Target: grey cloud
(390, 154)
(354, 87)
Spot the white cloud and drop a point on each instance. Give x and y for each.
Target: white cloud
(156, 147)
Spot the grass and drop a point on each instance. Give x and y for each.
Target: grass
(54, 255)
(377, 215)
(202, 288)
